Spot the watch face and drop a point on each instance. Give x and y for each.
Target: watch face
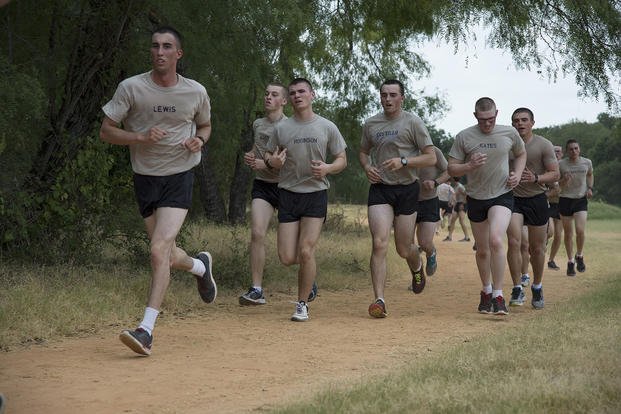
(404, 161)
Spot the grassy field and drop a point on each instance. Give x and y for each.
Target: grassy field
(569, 360)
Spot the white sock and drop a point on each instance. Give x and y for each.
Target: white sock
(526, 274)
(148, 322)
(538, 286)
(198, 268)
(496, 293)
(259, 288)
(520, 286)
(487, 289)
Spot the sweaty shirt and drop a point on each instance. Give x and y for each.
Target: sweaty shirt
(140, 104)
(489, 180)
(576, 187)
(263, 130)
(404, 136)
(539, 152)
(305, 141)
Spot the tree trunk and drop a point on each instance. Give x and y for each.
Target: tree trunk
(238, 194)
(212, 202)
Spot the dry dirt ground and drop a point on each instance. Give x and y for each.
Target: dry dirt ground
(232, 359)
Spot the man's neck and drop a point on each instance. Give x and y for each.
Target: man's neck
(527, 137)
(305, 114)
(274, 116)
(165, 80)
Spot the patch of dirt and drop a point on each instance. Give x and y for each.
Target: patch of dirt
(233, 359)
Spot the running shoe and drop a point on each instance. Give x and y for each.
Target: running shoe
(432, 264)
(418, 280)
(254, 296)
(447, 238)
(485, 306)
(580, 266)
(301, 312)
(517, 296)
(465, 239)
(537, 300)
(138, 341)
(525, 280)
(571, 271)
(498, 306)
(313, 294)
(207, 288)
(378, 309)
(552, 265)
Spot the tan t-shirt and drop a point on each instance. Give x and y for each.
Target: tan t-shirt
(576, 187)
(460, 193)
(404, 136)
(490, 180)
(305, 141)
(445, 192)
(140, 104)
(431, 173)
(539, 153)
(263, 130)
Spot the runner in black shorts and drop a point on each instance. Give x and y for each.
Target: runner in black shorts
(478, 210)
(153, 192)
(295, 206)
(400, 143)
(555, 226)
(264, 188)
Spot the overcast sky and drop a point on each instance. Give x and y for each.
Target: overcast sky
(480, 71)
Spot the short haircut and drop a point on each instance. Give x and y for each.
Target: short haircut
(301, 80)
(484, 104)
(394, 82)
(172, 31)
(571, 141)
(528, 111)
(285, 91)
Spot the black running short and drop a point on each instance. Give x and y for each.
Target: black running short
(265, 191)
(153, 192)
(444, 205)
(568, 206)
(477, 209)
(294, 206)
(553, 211)
(428, 211)
(403, 198)
(534, 209)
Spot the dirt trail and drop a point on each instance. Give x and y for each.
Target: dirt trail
(233, 359)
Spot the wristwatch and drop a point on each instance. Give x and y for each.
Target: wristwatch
(404, 161)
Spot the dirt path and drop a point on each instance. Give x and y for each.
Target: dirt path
(232, 359)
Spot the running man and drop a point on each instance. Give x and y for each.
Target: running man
(166, 121)
(554, 223)
(576, 188)
(428, 211)
(445, 197)
(481, 152)
(264, 188)
(459, 212)
(401, 144)
(299, 148)
(530, 210)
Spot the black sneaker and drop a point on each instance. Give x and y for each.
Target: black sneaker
(580, 266)
(206, 284)
(254, 296)
(498, 306)
(571, 271)
(138, 341)
(517, 296)
(485, 306)
(537, 301)
(418, 280)
(313, 295)
(552, 265)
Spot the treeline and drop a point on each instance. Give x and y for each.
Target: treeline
(62, 191)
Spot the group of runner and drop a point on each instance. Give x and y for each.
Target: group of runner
(165, 120)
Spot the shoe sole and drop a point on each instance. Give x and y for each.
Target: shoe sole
(376, 311)
(516, 303)
(296, 318)
(200, 280)
(537, 306)
(133, 344)
(251, 302)
(501, 312)
(485, 311)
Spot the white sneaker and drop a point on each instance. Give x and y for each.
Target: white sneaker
(301, 312)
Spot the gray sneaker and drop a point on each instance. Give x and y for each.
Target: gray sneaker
(525, 280)
(537, 300)
(517, 296)
(254, 296)
(207, 288)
